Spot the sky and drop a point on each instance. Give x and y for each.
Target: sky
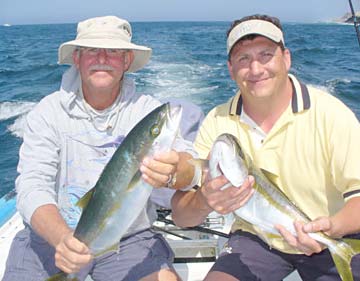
(72, 11)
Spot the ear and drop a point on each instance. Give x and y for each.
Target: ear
(287, 59)
(230, 68)
(76, 57)
(128, 59)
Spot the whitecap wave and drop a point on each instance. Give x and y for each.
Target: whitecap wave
(180, 80)
(10, 110)
(17, 128)
(17, 109)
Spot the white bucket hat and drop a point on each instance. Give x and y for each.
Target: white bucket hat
(254, 26)
(107, 32)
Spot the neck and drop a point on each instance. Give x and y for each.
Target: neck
(265, 111)
(101, 99)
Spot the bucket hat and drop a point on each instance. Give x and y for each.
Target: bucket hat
(109, 32)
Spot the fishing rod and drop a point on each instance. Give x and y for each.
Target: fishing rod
(356, 23)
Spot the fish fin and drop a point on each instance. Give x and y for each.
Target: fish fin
(135, 179)
(114, 248)
(83, 201)
(266, 236)
(62, 276)
(342, 254)
(270, 176)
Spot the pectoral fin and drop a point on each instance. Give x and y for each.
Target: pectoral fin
(136, 178)
(270, 176)
(266, 236)
(83, 201)
(114, 248)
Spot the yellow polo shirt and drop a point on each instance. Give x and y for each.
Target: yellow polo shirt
(314, 149)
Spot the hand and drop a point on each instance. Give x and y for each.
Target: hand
(302, 241)
(71, 254)
(229, 199)
(158, 170)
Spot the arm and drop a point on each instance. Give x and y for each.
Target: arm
(71, 254)
(36, 198)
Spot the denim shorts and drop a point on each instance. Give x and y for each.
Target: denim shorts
(247, 257)
(32, 259)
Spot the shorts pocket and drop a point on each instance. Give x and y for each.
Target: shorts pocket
(161, 248)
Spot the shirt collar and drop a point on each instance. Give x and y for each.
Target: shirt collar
(300, 100)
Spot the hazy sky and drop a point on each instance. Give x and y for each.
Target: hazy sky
(71, 11)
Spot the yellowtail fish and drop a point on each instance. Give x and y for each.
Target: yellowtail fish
(118, 197)
(269, 206)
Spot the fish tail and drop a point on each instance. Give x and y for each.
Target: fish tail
(342, 254)
(62, 276)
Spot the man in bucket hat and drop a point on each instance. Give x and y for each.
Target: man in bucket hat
(69, 137)
(290, 130)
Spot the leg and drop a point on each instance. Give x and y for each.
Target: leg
(162, 275)
(246, 257)
(31, 258)
(143, 256)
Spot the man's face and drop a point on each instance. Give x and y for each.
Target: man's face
(102, 69)
(259, 67)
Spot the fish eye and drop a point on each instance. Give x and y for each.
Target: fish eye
(155, 130)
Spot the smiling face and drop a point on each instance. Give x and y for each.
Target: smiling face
(101, 73)
(259, 67)
(101, 69)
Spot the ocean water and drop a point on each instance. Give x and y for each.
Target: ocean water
(189, 61)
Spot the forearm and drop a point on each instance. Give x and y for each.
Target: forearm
(49, 224)
(346, 221)
(189, 208)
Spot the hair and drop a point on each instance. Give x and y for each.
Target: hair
(270, 19)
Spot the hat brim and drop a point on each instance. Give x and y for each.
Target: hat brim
(142, 54)
(257, 27)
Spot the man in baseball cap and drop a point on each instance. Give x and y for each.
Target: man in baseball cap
(289, 130)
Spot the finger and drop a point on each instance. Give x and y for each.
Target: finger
(71, 262)
(248, 183)
(242, 199)
(158, 166)
(307, 244)
(287, 235)
(75, 245)
(217, 183)
(171, 157)
(155, 180)
(319, 224)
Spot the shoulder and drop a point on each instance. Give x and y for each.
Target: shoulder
(328, 105)
(47, 106)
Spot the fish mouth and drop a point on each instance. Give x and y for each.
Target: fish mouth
(174, 114)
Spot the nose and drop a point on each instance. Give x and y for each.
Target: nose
(256, 67)
(102, 56)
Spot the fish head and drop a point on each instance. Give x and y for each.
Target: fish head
(166, 128)
(227, 158)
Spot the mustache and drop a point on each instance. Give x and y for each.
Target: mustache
(104, 67)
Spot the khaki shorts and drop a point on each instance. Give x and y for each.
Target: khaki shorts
(32, 259)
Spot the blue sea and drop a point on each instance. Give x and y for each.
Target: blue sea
(189, 61)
